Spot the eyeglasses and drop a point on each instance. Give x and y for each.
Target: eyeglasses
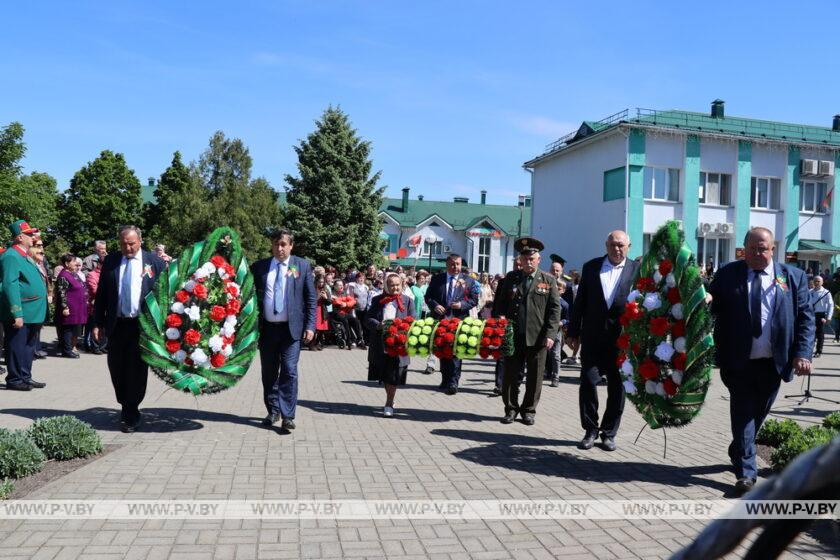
(38, 245)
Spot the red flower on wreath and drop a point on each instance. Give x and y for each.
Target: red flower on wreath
(620, 359)
(623, 341)
(218, 360)
(200, 291)
(659, 326)
(192, 337)
(632, 310)
(678, 329)
(218, 261)
(173, 320)
(645, 284)
(670, 387)
(637, 348)
(173, 346)
(218, 313)
(665, 267)
(674, 296)
(679, 360)
(648, 369)
(183, 296)
(228, 269)
(233, 307)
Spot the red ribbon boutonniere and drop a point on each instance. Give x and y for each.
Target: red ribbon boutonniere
(782, 283)
(148, 271)
(293, 271)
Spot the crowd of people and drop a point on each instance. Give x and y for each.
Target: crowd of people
(95, 302)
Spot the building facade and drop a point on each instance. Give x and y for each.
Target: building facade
(718, 175)
(421, 233)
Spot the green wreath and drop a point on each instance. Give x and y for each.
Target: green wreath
(199, 325)
(666, 347)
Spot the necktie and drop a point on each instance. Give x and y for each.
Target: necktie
(528, 280)
(125, 290)
(280, 289)
(755, 303)
(450, 289)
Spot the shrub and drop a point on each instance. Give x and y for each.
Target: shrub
(6, 488)
(814, 436)
(19, 456)
(65, 437)
(832, 421)
(775, 432)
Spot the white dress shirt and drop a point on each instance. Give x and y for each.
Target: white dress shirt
(610, 274)
(389, 312)
(761, 346)
(136, 281)
(822, 301)
(268, 298)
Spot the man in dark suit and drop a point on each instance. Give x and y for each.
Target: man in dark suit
(604, 286)
(126, 278)
(764, 333)
(286, 294)
(451, 294)
(527, 297)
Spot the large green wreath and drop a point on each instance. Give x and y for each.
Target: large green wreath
(666, 345)
(202, 339)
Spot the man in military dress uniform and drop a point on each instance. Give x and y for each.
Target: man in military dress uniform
(527, 297)
(23, 307)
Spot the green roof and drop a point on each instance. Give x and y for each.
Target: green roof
(460, 215)
(422, 262)
(818, 245)
(700, 123)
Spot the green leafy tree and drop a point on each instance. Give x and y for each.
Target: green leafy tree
(225, 163)
(103, 195)
(333, 206)
(12, 148)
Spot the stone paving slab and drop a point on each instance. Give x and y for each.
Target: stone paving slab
(438, 447)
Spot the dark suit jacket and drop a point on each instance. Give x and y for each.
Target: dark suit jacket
(467, 294)
(373, 318)
(301, 297)
(106, 304)
(542, 301)
(592, 322)
(792, 324)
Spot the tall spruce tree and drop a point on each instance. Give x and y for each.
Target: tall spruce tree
(103, 195)
(333, 207)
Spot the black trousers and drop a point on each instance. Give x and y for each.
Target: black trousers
(20, 351)
(129, 373)
(590, 376)
(531, 358)
(450, 372)
(65, 337)
(820, 337)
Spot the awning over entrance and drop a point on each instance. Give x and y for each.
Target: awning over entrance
(818, 246)
(422, 262)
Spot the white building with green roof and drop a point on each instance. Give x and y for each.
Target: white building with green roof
(718, 175)
(419, 232)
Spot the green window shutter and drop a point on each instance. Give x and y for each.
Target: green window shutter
(614, 184)
(393, 242)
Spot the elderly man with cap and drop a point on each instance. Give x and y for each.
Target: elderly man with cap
(527, 297)
(605, 284)
(554, 361)
(23, 307)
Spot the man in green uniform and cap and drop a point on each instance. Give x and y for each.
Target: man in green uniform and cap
(23, 307)
(529, 299)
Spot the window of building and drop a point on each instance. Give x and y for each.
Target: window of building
(765, 193)
(812, 197)
(713, 250)
(393, 242)
(662, 184)
(614, 184)
(646, 243)
(484, 254)
(715, 188)
(435, 248)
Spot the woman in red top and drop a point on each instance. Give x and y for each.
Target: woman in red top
(344, 313)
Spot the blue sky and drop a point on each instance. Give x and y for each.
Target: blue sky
(455, 96)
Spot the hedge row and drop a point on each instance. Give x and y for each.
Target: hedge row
(790, 440)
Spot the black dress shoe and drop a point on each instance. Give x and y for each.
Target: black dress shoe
(37, 384)
(70, 354)
(288, 424)
(270, 420)
(528, 419)
(509, 418)
(23, 387)
(744, 485)
(607, 443)
(452, 390)
(39, 355)
(497, 392)
(554, 382)
(2, 370)
(588, 440)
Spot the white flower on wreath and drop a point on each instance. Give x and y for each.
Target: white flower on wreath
(215, 343)
(677, 376)
(660, 389)
(228, 330)
(198, 357)
(679, 344)
(627, 369)
(650, 387)
(180, 356)
(629, 387)
(677, 311)
(664, 351)
(199, 274)
(189, 285)
(194, 312)
(657, 277)
(209, 268)
(633, 296)
(177, 307)
(172, 333)
(652, 301)
(222, 273)
(670, 281)
(227, 350)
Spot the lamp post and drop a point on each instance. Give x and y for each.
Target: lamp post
(431, 240)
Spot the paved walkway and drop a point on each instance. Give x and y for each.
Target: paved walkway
(437, 447)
